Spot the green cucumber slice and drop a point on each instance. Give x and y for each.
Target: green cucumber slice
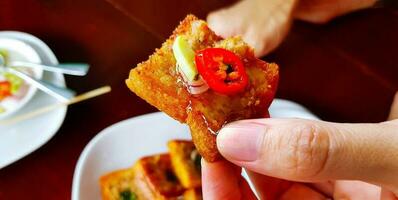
(185, 57)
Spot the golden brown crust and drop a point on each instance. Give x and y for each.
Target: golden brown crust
(193, 194)
(154, 178)
(184, 158)
(156, 81)
(148, 75)
(204, 141)
(115, 182)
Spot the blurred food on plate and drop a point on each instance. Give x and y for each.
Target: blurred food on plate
(14, 91)
(166, 176)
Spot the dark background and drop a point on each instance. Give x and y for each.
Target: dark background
(345, 71)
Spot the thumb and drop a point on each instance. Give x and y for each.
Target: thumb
(304, 150)
(394, 108)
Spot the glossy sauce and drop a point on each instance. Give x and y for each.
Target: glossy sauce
(223, 109)
(217, 109)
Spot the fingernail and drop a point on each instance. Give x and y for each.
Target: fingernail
(240, 141)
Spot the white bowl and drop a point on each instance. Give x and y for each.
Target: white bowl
(123, 143)
(20, 51)
(20, 139)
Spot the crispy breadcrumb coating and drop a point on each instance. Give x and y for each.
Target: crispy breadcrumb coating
(157, 82)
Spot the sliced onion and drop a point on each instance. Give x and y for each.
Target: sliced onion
(198, 90)
(194, 87)
(197, 83)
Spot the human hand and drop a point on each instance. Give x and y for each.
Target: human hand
(263, 24)
(316, 157)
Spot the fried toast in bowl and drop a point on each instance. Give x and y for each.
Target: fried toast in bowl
(185, 160)
(151, 178)
(155, 179)
(193, 194)
(118, 185)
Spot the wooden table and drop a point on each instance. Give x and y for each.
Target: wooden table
(345, 71)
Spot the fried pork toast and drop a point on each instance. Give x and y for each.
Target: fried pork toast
(186, 162)
(154, 178)
(157, 81)
(118, 185)
(193, 194)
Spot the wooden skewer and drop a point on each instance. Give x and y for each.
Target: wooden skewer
(45, 109)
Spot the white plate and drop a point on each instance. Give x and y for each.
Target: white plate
(18, 140)
(121, 144)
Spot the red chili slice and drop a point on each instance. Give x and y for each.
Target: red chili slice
(5, 89)
(222, 70)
